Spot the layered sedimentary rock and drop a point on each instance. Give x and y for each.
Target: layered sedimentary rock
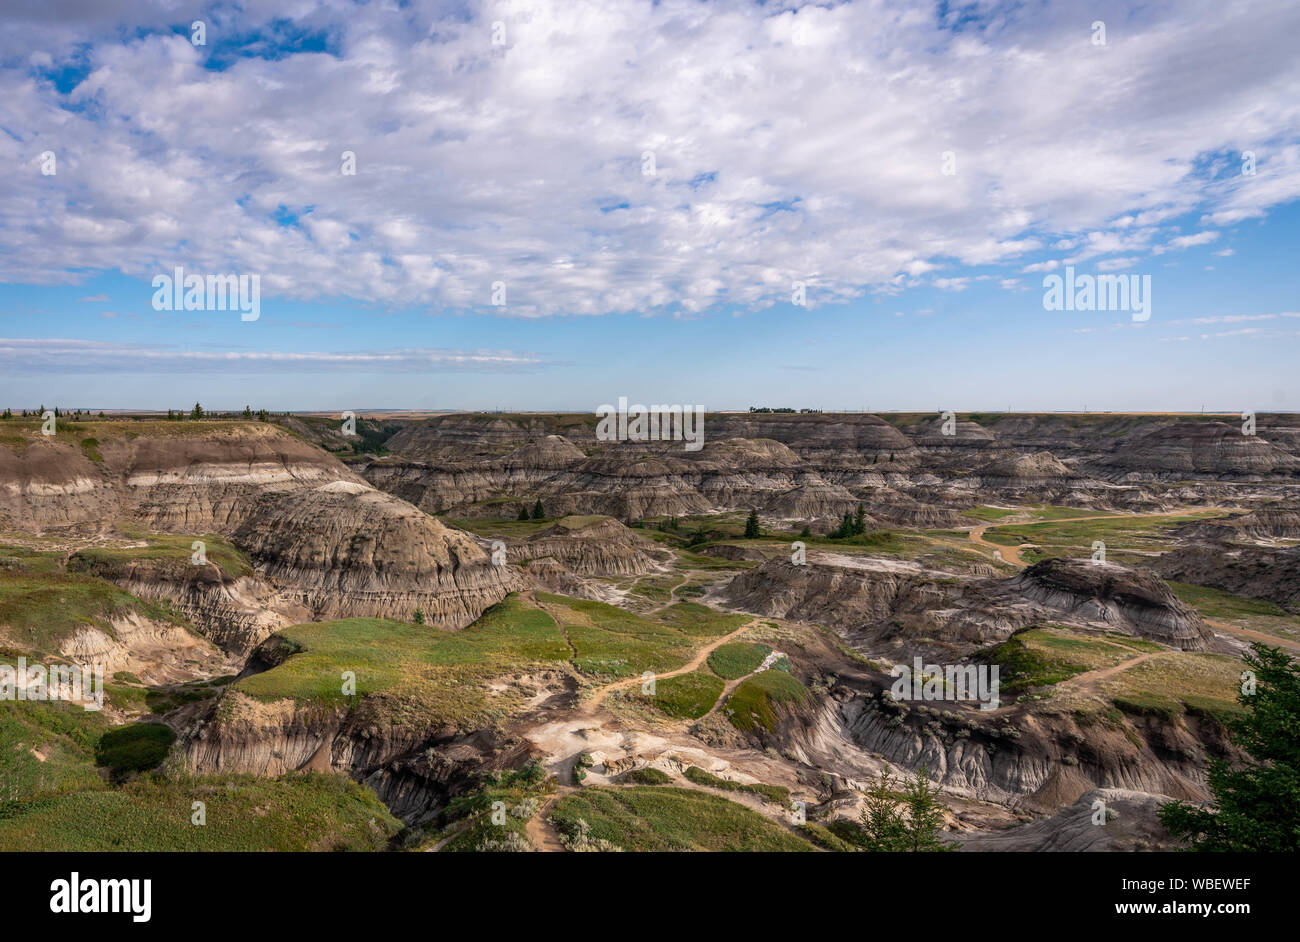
(586, 546)
(235, 613)
(53, 485)
(1258, 572)
(154, 650)
(1134, 601)
(960, 435)
(1132, 824)
(1276, 521)
(876, 601)
(881, 601)
(328, 543)
(1031, 470)
(811, 468)
(1214, 449)
(344, 549)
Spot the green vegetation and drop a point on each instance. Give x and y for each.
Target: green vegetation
(1255, 614)
(42, 609)
(1176, 682)
(302, 811)
(752, 704)
(613, 642)
(1128, 539)
(664, 818)
(853, 524)
(178, 550)
(774, 793)
(134, 748)
(825, 838)
(90, 448)
(700, 621)
(1044, 656)
(495, 815)
(884, 827)
(425, 674)
(687, 696)
(738, 658)
(647, 776)
(47, 748)
(1256, 808)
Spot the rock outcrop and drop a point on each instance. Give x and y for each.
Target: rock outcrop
(1213, 449)
(592, 546)
(1257, 572)
(1132, 601)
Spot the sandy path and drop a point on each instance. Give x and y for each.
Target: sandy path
(1273, 640)
(1088, 681)
(592, 705)
(1011, 554)
(541, 832)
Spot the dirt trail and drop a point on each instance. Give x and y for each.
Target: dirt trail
(1011, 554)
(1252, 635)
(541, 832)
(1088, 681)
(694, 664)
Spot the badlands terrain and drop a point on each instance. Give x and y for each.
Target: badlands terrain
(472, 632)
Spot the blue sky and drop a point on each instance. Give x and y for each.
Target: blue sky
(790, 143)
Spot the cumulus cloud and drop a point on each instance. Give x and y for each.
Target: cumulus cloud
(787, 142)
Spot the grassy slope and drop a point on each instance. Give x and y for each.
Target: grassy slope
(40, 609)
(734, 660)
(687, 696)
(440, 675)
(659, 818)
(302, 811)
(613, 642)
(167, 547)
(752, 703)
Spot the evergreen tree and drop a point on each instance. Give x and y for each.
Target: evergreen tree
(523, 513)
(751, 526)
(197, 412)
(248, 412)
(419, 616)
(805, 532)
(263, 415)
(859, 522)
(881, 820)
(1256, 807)
(538, 512)
(886, 828)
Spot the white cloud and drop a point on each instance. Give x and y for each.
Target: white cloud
(788, 145)
(1184, 242)
(50, 355)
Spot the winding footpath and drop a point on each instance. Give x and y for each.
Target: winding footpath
(695, 663)
(1011, 554)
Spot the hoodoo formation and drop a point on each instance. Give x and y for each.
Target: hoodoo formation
(468, 596)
